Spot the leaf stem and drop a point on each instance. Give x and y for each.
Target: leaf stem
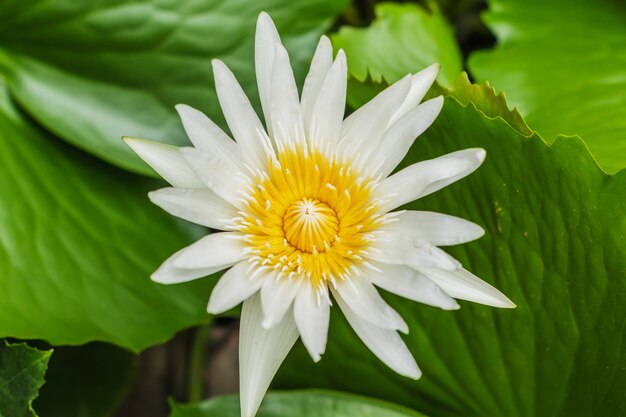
(198, 360)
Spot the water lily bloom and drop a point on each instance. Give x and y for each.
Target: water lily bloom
(306, 209)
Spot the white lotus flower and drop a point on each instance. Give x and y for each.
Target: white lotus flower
(306, 209)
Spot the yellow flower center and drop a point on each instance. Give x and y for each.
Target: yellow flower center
(310, 225)
(309, 216)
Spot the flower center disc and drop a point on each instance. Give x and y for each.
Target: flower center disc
(310, 225)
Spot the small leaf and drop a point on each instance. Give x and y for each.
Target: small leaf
(22, 370)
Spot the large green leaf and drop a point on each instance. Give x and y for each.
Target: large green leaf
(21, 375)
(563, 65)
(94, 71)
(297, 403)
(403, 39)
(85, 381)
(79, 240)
(554, 243)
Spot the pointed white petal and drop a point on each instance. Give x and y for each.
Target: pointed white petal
(277, 295)
(398, 248)
(169, 273)
(408, 283)
(362, 298)
(240, 116)
(200, 206)
(212, 250)
(287, 124)
(321, 63)
(312, 314)
(435, 228)
(363, 129)
(327, 115)
(264, 48)
(235, 286)
(464, 285)
(261, 352)
(426, 177)
(222, 177)
(206, 135)
(420, 84)
(401, 135)
(386, 344)
(167, 161)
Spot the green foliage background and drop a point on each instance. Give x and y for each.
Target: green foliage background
(79, 238)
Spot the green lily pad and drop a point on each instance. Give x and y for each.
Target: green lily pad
(563, 65)
(297, 403)
(554, 243)
(22, 370)
(403, 39)
(94, 71)
(79, 241)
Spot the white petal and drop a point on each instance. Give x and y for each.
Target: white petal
(364, 128)
(312, 314)
(277, 295)
(235, 286)
(264, 48)
(327, 117)
(420, 84)
(435, 228)
(408, 283)
(200, 206)
(215, 249)
(362, 298)
(240, 116)
(167, 161)
(206, 135)
(261, 352)
(464, 285)
(398, 248)
(222, 177)
(386, 344)
(169, 273)
(321, 63)
(287, 124)
(401, 135)
(426, 177)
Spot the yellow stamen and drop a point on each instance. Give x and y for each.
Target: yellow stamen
(311, 215)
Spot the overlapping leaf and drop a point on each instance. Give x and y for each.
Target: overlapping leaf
(94, 71)
(484, 97)
(555, 229)
(563, 65)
